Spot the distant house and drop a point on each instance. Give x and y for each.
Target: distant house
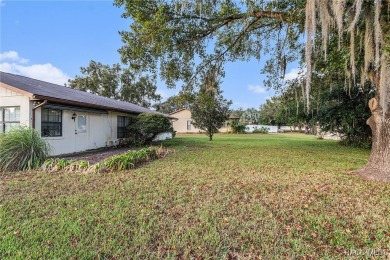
(183, 122)
(70, 120)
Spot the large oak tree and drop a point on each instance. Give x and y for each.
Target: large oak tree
(117, 83)
(180, 39)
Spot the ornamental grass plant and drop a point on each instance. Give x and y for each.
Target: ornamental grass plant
(22, 149)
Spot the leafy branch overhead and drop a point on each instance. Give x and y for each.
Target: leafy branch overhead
(182, 38)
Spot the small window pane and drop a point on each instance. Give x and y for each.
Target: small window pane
(51, 129)
(9, 118)
(81, 124)
(51, 115)
(123, 122)
(11, 114)
(51, 123)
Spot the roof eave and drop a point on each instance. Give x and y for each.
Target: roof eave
(75, 103)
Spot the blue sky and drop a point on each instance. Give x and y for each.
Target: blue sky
(51, 40)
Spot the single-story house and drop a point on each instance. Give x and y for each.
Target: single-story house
(70, 120)
(183, 122)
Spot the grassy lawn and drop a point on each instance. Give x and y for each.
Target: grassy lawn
(246, 196)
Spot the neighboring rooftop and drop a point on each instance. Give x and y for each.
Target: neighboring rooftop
(177, 111)
(61, 94)
(233, 116)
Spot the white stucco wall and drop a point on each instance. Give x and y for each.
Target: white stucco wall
(10, 98)
(101, 132)
(180, 125)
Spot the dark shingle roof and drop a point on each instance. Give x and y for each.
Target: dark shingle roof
(58, 93)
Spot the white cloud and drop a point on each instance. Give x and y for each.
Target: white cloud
(12, 56)
(293, 74)
(163, 93)
(257, 89)
(45, 72)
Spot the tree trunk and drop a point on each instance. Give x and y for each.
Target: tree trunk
(378, 165)
(210, 137)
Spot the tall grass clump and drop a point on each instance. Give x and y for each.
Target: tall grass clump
(22, 149)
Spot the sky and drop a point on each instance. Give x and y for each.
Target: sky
(51, 40)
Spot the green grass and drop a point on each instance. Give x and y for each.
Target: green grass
(271, 196)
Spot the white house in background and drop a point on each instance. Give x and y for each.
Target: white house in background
(70, 120)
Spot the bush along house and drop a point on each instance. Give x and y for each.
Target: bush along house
(70, 120)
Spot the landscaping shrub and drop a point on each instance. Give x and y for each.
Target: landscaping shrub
(145, 127)
(131, 159)
(124, 161)
(237, 128)
(261, 130)
(22, 149)
(58, 164)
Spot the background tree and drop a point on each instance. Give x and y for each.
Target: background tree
(250, 116)
(209, 110)
(270, 112)
(238, 112)
(346, 115)
(169, 36)
(168, 106)
(174, 103)
(117, 83)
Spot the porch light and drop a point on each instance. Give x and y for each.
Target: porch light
(74, 116)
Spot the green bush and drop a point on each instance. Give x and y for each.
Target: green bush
(261, 130)
(145, 127)
(130, 159)
(22, 149)
(237, 128)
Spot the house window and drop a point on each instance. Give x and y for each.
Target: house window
(51, 122)
(123, 122)
(188, 124)
(9, 118)
(81, 124)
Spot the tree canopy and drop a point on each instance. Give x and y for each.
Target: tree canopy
(116, 82)
(180, 39)
(209, 110)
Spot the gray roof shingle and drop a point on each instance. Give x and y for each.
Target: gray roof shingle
(50, 91)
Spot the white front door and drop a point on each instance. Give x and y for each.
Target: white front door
(81, 133)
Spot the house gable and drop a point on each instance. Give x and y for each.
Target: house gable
(10, 91)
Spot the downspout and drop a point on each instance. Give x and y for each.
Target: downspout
(33, 112)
